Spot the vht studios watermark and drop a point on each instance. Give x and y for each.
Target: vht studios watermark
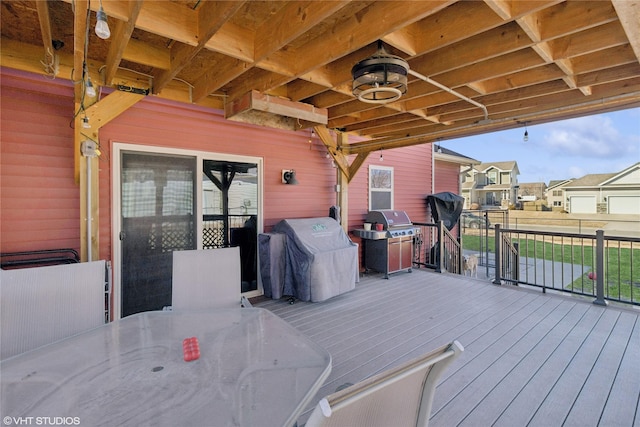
(41, 421)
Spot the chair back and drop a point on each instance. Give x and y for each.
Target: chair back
(401, 396)
(208, 278)
(41, 305)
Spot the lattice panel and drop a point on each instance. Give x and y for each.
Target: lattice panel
(212, 238)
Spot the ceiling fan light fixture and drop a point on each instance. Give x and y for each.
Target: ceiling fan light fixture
(380, 78)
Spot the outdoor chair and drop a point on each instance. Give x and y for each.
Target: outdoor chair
(209, 278)
(401, 396)
(41, 305)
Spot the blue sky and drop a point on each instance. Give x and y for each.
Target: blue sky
(604, 143)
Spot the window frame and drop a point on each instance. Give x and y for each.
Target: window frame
(375, 169)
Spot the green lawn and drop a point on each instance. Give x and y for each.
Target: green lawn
(622, 265)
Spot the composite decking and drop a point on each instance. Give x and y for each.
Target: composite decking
(530, 358)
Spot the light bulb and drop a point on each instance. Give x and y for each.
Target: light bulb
(381, 158)
(89, 89)
(526, 136)
(85, 123)
(102, 27)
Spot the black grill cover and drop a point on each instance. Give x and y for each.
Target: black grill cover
(445, 207)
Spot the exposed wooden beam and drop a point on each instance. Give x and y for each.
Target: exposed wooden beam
(291, 21)
(146, 54)
(347, 35)
(120, 39)
(79, 40)
(47, 42)
(211, 16)
(629, 14)
(110, 107)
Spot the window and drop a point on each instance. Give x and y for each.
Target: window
(380, 187)
(557, 193)
(492, 177)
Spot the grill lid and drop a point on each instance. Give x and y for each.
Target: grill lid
(389, 218)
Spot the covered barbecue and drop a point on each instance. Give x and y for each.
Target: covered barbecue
(320, 259)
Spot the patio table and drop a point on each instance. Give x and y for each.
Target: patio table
(254, 369)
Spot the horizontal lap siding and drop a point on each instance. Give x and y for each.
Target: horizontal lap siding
(447, 177)
(411, 185)
(165, 124)
(39, 197)
(37, 162)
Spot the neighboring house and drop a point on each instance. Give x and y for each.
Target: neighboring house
(448, 168)
(612, 193)
(555, 194)
(491, 185)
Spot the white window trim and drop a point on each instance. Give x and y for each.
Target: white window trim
(391, 190)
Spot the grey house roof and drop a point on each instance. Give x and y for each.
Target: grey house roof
(592, 180)
(503, 166)
(559, 182)
(446, 155)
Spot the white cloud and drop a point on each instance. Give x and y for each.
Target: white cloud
(589, 137)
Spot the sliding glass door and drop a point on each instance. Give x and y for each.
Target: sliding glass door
(171, 202)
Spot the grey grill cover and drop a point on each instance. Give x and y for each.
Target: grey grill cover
(321, 261)
(271, 247)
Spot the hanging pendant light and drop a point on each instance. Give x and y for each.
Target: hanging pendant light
(90, 91)
(102, 27)
(380, 78)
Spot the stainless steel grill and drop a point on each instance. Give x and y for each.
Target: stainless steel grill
(391, 249)
(395, 223)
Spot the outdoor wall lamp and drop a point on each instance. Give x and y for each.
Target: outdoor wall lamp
(289, 177)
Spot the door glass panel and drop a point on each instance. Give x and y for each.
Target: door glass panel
(157, 199)
(229, 212)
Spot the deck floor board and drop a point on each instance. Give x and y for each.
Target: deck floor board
(530, 358)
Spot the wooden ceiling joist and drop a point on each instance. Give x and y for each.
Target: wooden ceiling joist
(526, 56)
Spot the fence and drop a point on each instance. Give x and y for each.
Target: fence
(431, 241)
(605, 267)
(216, 229)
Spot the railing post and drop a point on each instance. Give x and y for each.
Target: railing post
(498, 248)
(600, 268)
(440, 265)
(516, 263)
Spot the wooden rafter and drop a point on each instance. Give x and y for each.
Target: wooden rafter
(120, 40)
(47, 40)
(210, 17)
(519, 58)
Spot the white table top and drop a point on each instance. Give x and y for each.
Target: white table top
(254, 370)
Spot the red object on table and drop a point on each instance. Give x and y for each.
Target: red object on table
(191, 349)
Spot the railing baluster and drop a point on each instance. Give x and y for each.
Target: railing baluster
(498, 248)
(600, 268)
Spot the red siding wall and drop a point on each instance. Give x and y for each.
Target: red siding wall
(447, 177)
(40, 198)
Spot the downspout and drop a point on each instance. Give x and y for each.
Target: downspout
(89, 149)
(89, 259)
(451, 91)
(433, 170)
